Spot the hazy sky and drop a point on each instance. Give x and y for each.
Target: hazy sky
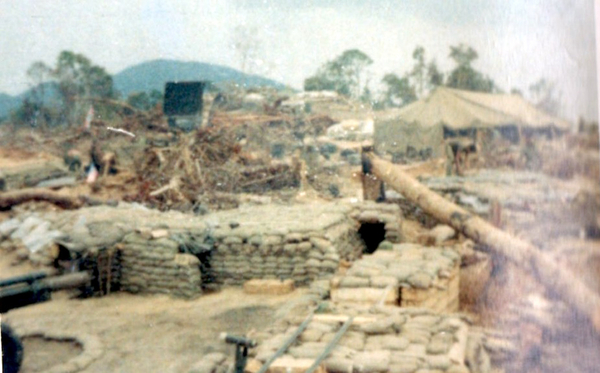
(518, 41)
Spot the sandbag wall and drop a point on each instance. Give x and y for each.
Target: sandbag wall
(408, 275)
(156, 266)
(386, 339)
(240, 254)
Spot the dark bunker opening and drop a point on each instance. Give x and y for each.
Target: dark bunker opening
(372, 235)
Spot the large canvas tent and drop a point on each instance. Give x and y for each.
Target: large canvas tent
(423, 124)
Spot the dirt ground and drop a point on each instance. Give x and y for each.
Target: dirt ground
(149, 333)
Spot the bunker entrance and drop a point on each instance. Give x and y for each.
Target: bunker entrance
(372, 235)
(202, 251)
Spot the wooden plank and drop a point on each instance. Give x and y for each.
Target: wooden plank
(548, 271)
(365, 295)
(271, 287)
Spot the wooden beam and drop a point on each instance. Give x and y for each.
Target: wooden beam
(556, 278)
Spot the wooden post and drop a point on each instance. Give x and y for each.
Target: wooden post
(556, 278)
(373, 188)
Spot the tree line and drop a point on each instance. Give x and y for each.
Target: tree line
(61, 94)
(346, 74)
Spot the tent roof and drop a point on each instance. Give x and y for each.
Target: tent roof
(457, 109)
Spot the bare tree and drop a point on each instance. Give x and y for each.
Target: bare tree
(247, 45)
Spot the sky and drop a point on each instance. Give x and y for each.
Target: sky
(518, 41)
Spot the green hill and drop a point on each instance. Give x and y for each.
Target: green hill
(152, 75)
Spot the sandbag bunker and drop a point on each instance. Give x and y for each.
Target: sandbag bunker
(138, 250)
(370, 339)
(406, 275)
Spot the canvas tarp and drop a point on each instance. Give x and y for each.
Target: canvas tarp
(421, 123)
(394, 138)
(459, 110)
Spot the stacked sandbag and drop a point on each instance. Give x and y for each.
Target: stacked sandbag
(408, 275)
(33, 236)
(387, 214)
(302, 257)
(382, 339)
(303, 243)
(155, 266)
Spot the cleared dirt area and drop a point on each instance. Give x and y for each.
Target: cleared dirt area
(43, 353)
(151, 333)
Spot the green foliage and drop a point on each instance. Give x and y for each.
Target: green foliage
(38, 73)
(144, 100)
(463, 54)
(342, 75)
(32, 114)
(464, 76)
(77, 79)
(419, 71)
(434, 76)
(398, 91)
(467, 78)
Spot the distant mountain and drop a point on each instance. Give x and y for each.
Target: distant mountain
(150, 75)
(154, 74)
(7, 103)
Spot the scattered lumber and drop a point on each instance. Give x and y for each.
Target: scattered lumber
(557, 279)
